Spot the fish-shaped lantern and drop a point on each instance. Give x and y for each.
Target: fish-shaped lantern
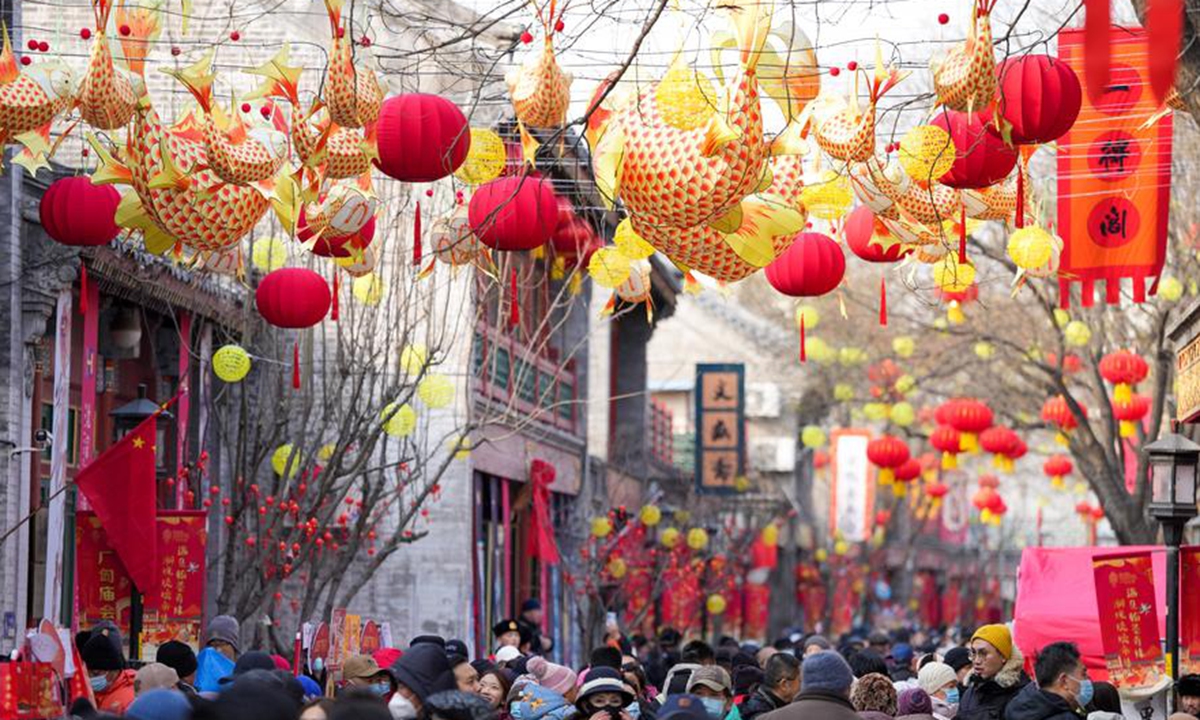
(29, 103)
(353, 95)
(843, 129)
(108, 94)
(540, 89)
(928, 203)
(236, 153)
(965, 79)
(678, 154)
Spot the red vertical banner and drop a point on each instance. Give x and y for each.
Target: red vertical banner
(757, 603)
(1189, 611)
(183, 407)
(1114, 175)
(1128, 619)
(87, 402)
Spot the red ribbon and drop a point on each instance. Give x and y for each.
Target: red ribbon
(883, 301)
(1097, 54)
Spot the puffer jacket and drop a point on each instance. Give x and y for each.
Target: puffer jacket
(1033, 703)
(987, 699)
(762, 701)
(534, 702)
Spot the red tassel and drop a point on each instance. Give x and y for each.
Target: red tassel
(334, 313)
(803, 350)
(83, 287)
(1164, 32)
(962, 236)
(417, 235)
(296, 365)
(1097, 53)
(514, 308)
(1019, 222)
(883, 301)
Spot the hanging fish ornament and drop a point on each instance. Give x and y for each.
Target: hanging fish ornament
(353, 95)
(237, 153)
(965, 79)
(30, 100)
(108, 94)
(843, 129)
(540, 89)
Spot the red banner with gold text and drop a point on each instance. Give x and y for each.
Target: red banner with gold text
(1128, 619)
(1189, 611)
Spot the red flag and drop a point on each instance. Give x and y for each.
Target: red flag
(120, 485)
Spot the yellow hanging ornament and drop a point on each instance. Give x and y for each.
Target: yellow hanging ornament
(231, 363)
(485, 160)
(926, 153)
(269, 254)
(401, 423)
(601, 527)
(650, 515)
(1030, 247)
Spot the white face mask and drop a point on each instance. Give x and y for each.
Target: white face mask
(401, 708)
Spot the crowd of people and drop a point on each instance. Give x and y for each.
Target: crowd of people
(900, 676)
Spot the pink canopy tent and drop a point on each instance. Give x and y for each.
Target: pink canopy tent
(1056, 600)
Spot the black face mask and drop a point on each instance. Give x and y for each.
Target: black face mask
(614, 713)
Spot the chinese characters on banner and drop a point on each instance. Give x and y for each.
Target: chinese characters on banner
(28, 690)
(853, 493)
(175, 612)
(1189, 611)
(1128, 619)
(720, 441)
(1114, 177)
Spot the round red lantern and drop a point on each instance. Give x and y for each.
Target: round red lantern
(421, 137)
(988, 480)
(983, 498)
(813, 265)
(1083, 508)
(887, 452)
(883, 517)
(292, 298)
(1130, 412)
(1058, 413)
(869, 239)
(908, 471)
(75, 212)
(948, 441)
(1124, 370)
(514, 212)
(970, 417)
(1039, 97)
(1057, 468)
(982, 158)
(937, 491)
(1002, 443)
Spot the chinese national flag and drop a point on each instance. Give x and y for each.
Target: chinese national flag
(120, 485)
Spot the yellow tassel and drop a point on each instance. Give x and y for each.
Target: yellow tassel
(969, 443)
(1128, 428)
(887, 476)
(998, 462)
(558, 270)
(1006, 464)
(575, 284)
(1123, 393)
(955, 314)
(949, 461)
(1058, 483)
(1062, 439)
(899, 489)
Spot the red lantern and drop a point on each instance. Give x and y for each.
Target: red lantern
(1057, 412)
(998, 440)
(1097, 513)
(983, 498)
(813, 265)
(908, 471)
(970, 417)
(948, 441)
(1040, 98)
(1071, 362)
(937, 491)
(883, 517)
(1057, 468)
(514, 212)
(421, 137)
(866, 237)
(1083, 508)
(1130, 412)
(887, 452)
(1124, 370)
(998, 507)
(988, 480)
(820, 459)
(293, 298)
(75, 212)
(982, 158)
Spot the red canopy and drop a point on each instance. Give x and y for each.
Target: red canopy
(1056, 600)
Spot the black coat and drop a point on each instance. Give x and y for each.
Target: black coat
(986, 699)
(815, 705)
(1033, 703)
(762, 701)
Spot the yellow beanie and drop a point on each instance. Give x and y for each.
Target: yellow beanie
(999, 637)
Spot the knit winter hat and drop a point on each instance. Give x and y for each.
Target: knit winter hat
(935, 676)
(180, 656)
(914, 701)
(558, 678)
(160, 704)
(874, 692)
(101, 653)
(226, 629)
(826, 671)
(998, 636)
(957, 658)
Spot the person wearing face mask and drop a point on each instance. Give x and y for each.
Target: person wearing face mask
(1063, 688)
(603, 697)
(996, 675)
(111, 681)
(420, 672)
(940, 683)
(361, 671)
(712, 685)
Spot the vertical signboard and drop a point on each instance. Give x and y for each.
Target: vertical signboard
(1128, 619)
(720, 427)
(852, 496)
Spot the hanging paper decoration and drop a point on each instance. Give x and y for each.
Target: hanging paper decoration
(1057, 468)
(352, 92)
(293, 298)
(1030, 247)
(1002, 443)
(436, 390)
(969, 417)
(669, 538)
(286, 458)
(812, 436)
(422, 138)
(715, 604)
(486, 157)
(367, 289)
(413, 359)
(1124, 369)
(870, 239)
(927, 153)
(813, 265)
(965, 79)
(697, 539)
(907, 472)
(30, 100)
(1114, 183)
(1057, 412)
(75, 212)
(340, 224)
(843, 129)
(514, 212)
(106, 96)
(540, 89)
(1040, 98)
(231, 363)
(1077, 333)
(636, 288)
(887, 453)
(650, 515)
(981, 157)
(948, 441)
(453, 241)
(398, 421)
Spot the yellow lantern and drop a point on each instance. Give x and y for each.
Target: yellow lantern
(770, 535)
(819, 351)
(413, 358)
(1030, 247)
(629, 243)
(485, 160)
(436, 390)
(617, 568)
(697, 538)
(905, 384)
(231, 363)
(682, 516)
(1170, 289)
(650, 515)
(1061, 317)
(715, 604)
(601, 527)
(903, 414)
(269, 254)
(926, 153)
(827, 196)
(952, 276)
(399, 423)
(685, 98)
(1077, 333)
(367, 289)
(811, 317)
(875, 411)
(669, 537)
(904, 346)
(984, 350)
(841, 547)
(279, 460)
(851, 356)
(843, 392)
(812, 436)
(821, 555)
